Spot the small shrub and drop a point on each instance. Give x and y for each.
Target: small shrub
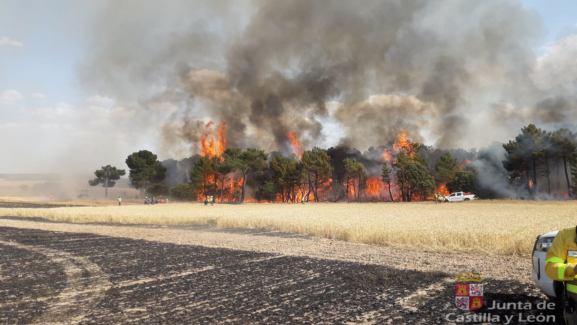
(157, 190)
(183, 192)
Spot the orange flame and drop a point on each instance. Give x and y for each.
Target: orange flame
(463, 163)
(387, 155)
(404, 144)
(221, 131)
(209, 146)
(374, 186)
(443, 190)
(295, 144)
(531, 183)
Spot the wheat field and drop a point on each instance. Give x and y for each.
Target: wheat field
(482, 227)
(76, 202)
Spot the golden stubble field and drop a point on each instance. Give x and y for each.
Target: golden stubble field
(73, 202)
(484, 227)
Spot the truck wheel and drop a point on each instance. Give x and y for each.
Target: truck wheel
(467, 199)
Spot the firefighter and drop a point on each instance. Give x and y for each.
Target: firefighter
(561, 265)
(211, 200)
(206, 201)
(119, 201)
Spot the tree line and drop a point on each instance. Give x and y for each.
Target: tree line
(275, 177)
(535, 153)
(413, 173)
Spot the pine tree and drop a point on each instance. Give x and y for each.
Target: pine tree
(447, 166)
(203, 176)
(387, 179)
(107, 176)
(355, 171)
(573, 164)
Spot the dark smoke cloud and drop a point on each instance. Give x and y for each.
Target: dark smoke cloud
(556, 109)
(380, 118)
(269, 67)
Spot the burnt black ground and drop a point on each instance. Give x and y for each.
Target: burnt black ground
(31, 205)
(25, 277)
(159, 283)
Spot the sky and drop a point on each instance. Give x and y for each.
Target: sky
(41, 102)
(52, 122)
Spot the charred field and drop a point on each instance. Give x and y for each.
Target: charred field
(82, 278)
(52, 272)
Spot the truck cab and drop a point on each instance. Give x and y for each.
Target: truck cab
(461, 196)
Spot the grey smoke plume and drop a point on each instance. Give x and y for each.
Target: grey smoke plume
(433, 69)
(492, 177)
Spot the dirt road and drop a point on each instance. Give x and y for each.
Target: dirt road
(101, 274)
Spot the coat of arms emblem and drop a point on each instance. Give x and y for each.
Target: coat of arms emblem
(469, 296)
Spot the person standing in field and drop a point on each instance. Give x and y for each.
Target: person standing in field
(561, 265)
(206, 201)
(213, 200)
(119, 201)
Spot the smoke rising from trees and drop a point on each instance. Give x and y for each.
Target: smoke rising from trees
(270, 67)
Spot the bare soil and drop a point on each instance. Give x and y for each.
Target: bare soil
(95, 274)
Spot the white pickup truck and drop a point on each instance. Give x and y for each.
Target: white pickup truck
(460, 196)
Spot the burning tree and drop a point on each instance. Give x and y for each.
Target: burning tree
(203, 176)
(354, 171)
(532, 153)
(287, 174)
(245, 162)
(413, 178)
(223, 171)
(454, 175)
(387, 179)
(317, 171)
(524, 153)
(210, 146)
(295, 144)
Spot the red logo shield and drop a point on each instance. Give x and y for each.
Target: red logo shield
(468, 296)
